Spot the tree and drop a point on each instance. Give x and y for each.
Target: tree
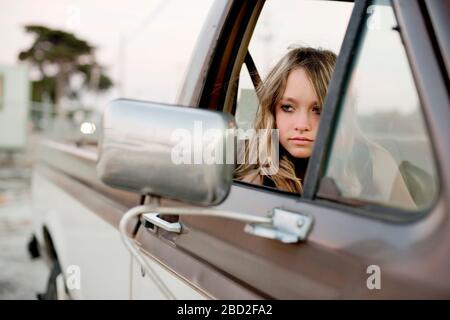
(58, 56)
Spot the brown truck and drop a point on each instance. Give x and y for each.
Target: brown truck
(126, 221)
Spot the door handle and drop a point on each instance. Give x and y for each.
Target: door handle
(282, 225)
(152, 219)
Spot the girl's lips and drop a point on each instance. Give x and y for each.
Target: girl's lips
(301, 139)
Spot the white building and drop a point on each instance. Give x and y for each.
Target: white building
(14, 106)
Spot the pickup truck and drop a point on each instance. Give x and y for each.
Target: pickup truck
(124, 221)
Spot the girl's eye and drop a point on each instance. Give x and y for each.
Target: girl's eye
(317, 110)
(287, 108)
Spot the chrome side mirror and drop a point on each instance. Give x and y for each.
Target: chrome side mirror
(169, 151)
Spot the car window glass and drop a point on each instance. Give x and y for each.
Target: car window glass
(381, 151)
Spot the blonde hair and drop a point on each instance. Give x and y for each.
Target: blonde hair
(318, 65)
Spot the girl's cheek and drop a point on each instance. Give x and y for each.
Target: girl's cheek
(283, 127)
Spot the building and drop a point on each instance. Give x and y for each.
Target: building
(14, 106)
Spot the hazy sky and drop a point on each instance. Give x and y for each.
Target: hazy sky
(159, 36)
(156, 37)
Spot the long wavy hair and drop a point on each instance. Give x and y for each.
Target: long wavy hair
(318, 65)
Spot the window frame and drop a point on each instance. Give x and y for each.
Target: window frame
(216, 92)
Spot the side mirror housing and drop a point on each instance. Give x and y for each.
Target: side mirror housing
(169, 151)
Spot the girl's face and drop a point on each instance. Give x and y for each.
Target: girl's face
(297, 115)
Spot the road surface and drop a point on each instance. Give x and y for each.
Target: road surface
(20, 276)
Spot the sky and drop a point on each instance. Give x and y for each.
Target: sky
(146, 45)
(142, 37)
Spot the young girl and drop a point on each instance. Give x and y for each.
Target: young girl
(291, 100)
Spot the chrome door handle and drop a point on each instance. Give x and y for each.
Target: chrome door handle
(282, 225)
(155, 220)
(286, 226)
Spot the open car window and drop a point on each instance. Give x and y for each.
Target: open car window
(281, 26)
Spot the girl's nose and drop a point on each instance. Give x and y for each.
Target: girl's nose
(302, 122)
